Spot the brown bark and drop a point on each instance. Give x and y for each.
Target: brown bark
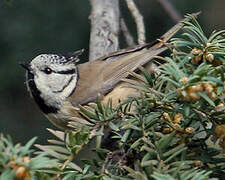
(104, 28)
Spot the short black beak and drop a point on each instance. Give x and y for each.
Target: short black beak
(25, 66)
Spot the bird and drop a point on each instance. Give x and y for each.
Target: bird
(59, 84)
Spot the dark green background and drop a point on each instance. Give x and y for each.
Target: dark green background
(31, 27)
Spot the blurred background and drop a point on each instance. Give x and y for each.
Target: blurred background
(31, 27)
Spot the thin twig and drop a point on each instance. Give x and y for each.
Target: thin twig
(70, 158)
(128, 37)
(171, 10)
(109, 156)
(138, 18)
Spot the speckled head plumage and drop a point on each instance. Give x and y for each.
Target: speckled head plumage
(56, 62)
(59, 58)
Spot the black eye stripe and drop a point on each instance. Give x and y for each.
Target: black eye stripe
(71, 71)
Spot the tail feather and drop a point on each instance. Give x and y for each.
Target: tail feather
(120, 69)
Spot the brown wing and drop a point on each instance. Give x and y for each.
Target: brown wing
(100, 76)
(89, 83)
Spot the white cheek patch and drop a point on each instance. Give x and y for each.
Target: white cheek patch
(57, 82)
(63, 84)
(56, 87)
(40, 81)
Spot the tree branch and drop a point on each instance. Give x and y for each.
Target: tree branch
(171, 10)
(128, 37)
(104, 28)
(138, 20)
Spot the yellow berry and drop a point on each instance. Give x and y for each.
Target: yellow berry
(195, 88)
(197, 163)
(196, 59)
(178, 118)
(194, 96)
(208, 44)
(222, 142)
(166, 116)
(208, 87)
(26, 159)
(21, 172)
(220, 130)
(12, 164)
(220, 105)
(189, 130)
(196, 51)
(184, 80)
(210, 57)
(166, 130)
(193, 61)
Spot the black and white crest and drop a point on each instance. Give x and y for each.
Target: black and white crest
(62, 58)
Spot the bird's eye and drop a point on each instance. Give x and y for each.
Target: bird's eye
(47, 71)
